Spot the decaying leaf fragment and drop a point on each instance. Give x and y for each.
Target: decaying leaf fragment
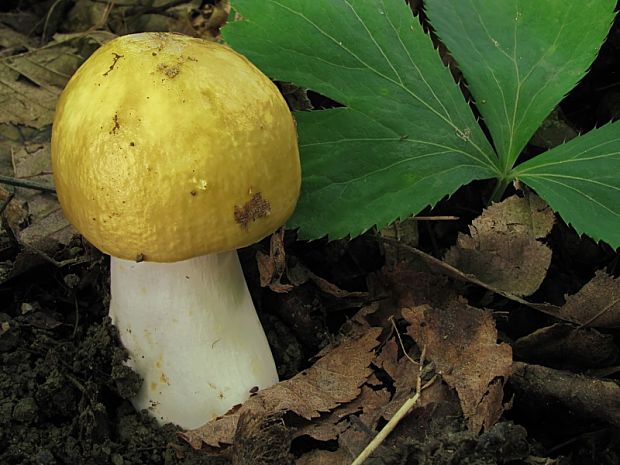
(597, 304)
(334, 379)
(503, 250)
(462, 342)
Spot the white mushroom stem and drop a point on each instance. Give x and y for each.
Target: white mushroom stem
(192, 333)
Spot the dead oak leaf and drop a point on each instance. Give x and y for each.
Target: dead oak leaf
(334, 379)
(502, 249)
(331, 426)
(462, 342)
(597, 304)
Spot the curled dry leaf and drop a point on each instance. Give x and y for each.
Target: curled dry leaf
(273, 267)
(596, 304)
(462, 342)
(334, 379)
(503, 250)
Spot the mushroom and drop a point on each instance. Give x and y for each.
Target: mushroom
(169, 153)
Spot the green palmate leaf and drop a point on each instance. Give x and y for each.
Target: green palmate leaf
(581, 180)
(404, 137)
(520, 58)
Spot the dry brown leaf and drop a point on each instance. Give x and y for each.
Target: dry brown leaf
(262, 440)
(31, 82)
(589, 397)
(462, 342)
(14, 213)
(324, 457)
(331, 426)
(29, 86)
(271, 267)
(404, 374)
(334, 379)
(502, 249)
(596, 304)
(438, 266)
(411, 288)
(565, 346)
(405, 232)
(298, 274)
(48, 227)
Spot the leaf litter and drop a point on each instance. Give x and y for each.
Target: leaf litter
(342, 401)
(462, 342)
(503, 248)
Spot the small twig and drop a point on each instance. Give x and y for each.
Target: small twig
(6, 202)
(453, 272)
(5, 221)
(53, 261)
(39, 186)
(47, 19)
(77, 315)
(398, 416)
(104, 16)
(400, 340)
(142, 9)
(579, 437)
(437, 218)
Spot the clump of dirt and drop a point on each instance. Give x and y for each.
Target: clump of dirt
(64, 387)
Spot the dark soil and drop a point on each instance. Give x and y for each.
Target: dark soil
(64, 388)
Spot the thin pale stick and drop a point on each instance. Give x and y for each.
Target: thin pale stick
(398, 416)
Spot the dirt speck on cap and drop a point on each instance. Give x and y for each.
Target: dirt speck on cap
(114, 61)
(169, 71)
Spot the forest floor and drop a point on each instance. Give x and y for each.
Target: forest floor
(515, 358)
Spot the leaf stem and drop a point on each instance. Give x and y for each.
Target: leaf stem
(500, 188)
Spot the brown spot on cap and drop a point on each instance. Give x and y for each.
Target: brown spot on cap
(116, 126)
(253, 209)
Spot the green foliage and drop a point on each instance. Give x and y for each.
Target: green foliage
(405, 136)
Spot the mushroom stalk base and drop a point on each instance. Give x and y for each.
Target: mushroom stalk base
(192, 333)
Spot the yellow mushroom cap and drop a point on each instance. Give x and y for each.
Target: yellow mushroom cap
(167, 147)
